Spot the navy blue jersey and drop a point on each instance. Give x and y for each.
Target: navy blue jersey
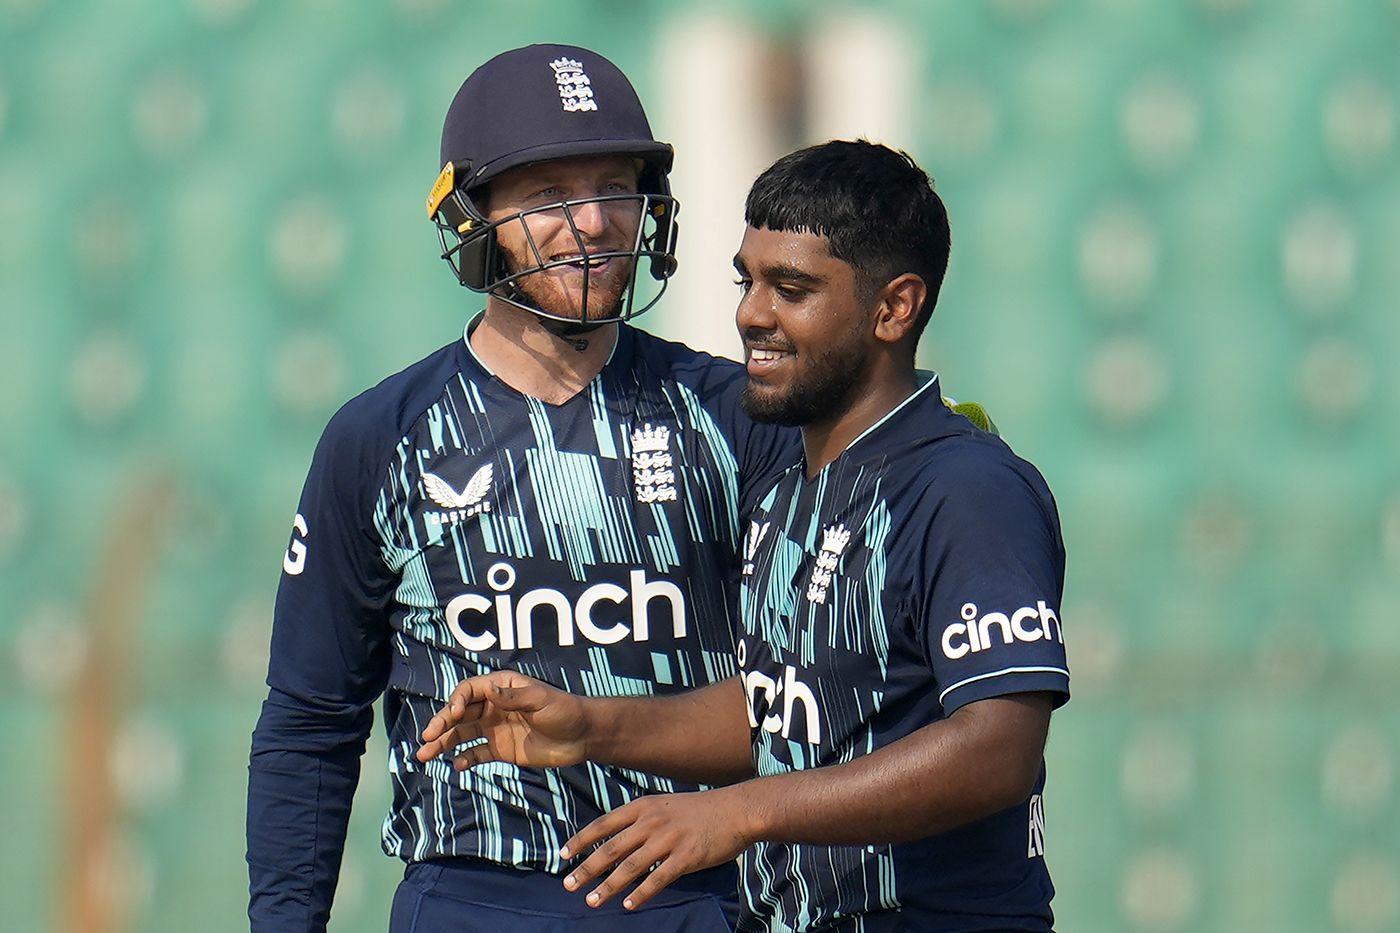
(451, 526)
(918, 572)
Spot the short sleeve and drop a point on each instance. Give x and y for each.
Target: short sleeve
(989, 583)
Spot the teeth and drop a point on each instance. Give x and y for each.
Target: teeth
(583, 263)
(766, 356)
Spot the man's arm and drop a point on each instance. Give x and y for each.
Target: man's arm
(984, 758)
(699, 735)
(302, 773)
(327, 664)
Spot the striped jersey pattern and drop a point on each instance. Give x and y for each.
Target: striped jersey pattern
(451, 526)
(918, 572)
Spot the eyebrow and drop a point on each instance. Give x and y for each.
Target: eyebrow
(781, 271)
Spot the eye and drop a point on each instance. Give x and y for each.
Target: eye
(790, 293)
(743, 283)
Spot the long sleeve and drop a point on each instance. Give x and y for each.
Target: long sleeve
(302, 775)
(328, 664)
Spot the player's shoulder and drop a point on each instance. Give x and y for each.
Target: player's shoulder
(383, 413)
(976, 467)
(701, 371)
(969, 490)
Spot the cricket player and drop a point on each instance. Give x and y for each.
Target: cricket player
(553, 492)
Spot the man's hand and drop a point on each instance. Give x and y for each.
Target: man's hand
(676, 833)
(522, 720)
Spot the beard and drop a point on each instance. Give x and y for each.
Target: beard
(549, 294)
(823, 392)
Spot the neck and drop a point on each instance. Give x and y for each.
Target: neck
(526, 356)
(881, 393)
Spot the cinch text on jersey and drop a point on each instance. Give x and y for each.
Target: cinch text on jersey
(509, 622)
(974, 634)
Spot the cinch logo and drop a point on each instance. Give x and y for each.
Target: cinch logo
(480, 623)
(974, 634)
(793, 693)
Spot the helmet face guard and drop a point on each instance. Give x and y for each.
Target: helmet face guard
(470, 247)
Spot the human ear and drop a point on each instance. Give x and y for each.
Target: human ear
(898, 305)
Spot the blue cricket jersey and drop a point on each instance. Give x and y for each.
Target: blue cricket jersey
(451, 526)
(918, 572)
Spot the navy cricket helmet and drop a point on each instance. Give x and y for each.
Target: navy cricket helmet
(538, 104)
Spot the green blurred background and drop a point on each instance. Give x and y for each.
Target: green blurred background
(1176, 254)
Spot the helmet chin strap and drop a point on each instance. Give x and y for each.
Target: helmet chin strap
(573, 333)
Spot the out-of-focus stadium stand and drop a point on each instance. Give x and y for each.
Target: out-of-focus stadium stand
(1173, 284)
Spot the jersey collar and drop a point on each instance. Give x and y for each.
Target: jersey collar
(621, 354)
(921, 415)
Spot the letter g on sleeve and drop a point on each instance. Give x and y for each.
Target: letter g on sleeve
(294, 561)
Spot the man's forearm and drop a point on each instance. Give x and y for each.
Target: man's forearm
(700, 735)
(301, 781)
(983, 759)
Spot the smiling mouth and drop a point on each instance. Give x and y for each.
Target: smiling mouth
(575, 261)
(762, 348)
(762, 360)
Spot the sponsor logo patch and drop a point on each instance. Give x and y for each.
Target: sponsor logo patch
(754, 538)
(774, 702)
(458, 506)
(978, 633)
(508, 620)
(1035, 833)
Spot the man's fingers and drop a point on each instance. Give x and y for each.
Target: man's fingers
(448, 717)
(526, 698)
(618, 844)
(669, 870)
(637, 864)
(473, 691)
(440, 723)
(483, 707)
(474, 697)
(619, 851)
(441, 745)
(478, 754)
(432, 748)
(595, 832)
(447, 742)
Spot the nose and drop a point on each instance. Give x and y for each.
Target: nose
(755, 313)
(590, 218)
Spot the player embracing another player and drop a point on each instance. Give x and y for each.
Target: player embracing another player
(899, 637)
